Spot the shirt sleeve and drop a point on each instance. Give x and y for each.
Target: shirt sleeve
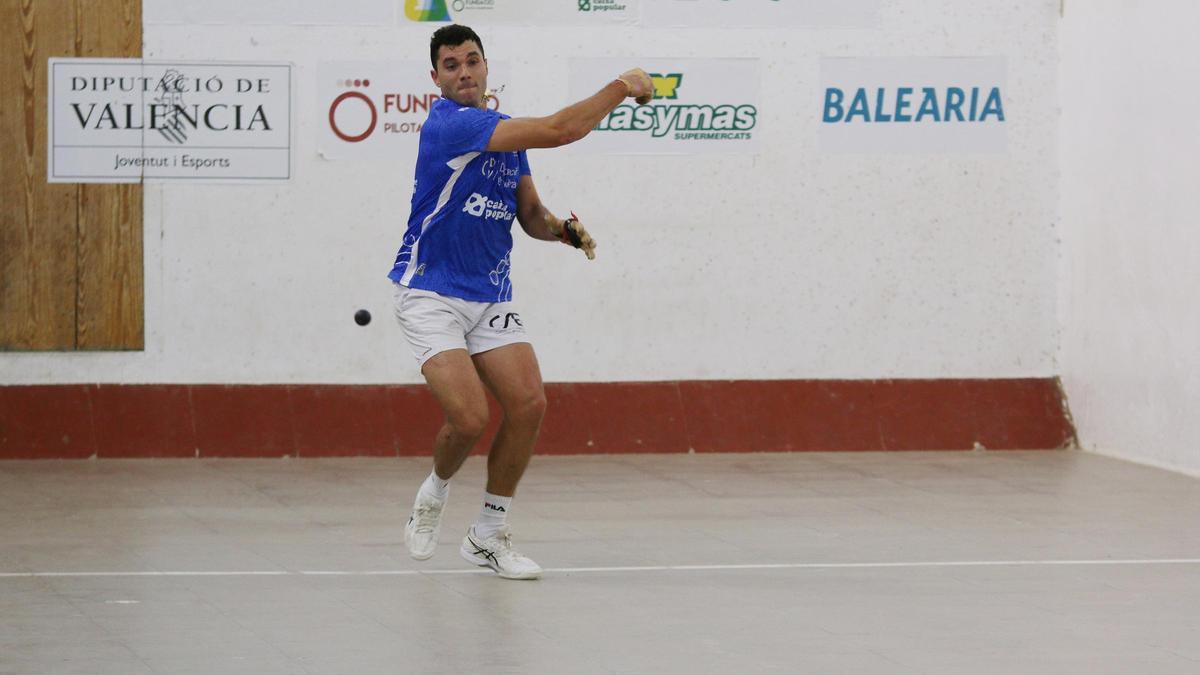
(469, 130)
(523, 160)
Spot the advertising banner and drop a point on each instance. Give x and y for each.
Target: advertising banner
(761, 13)
(700, 106)
(273, 12)
(524, 12)
(125, 120)
(914, 105)
(375, 109)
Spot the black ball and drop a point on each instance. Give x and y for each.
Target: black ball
(362, 317)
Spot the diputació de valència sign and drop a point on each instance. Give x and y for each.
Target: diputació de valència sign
(129, 120)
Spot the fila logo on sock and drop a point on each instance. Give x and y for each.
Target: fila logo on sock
(489, 505)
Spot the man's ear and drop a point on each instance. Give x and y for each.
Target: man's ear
(433, 76)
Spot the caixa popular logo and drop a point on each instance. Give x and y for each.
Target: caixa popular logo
(712, 120)
(916, 105)
(600, 6)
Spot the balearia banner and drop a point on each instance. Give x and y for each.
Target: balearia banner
(375, 109)
(761, 13)
(914, 105)
(524, 12)
(128, 120)
(700, 106)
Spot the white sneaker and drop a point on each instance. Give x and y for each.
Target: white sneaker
(421, 532)
(497, 552)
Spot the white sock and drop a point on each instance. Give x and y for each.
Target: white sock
(436, 487)
(492, 515)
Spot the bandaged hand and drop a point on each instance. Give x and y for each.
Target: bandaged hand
(573, 233)
(641, 87)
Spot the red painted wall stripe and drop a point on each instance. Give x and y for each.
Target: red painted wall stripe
(161, 420)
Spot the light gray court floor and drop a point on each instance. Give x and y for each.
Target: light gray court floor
(988, 562)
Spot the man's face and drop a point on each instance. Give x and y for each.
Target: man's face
(461, 73)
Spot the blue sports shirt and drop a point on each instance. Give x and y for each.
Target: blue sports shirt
(459, 237)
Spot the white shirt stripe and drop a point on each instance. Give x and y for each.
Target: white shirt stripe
(457, 164)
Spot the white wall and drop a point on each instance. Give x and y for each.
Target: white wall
(791, 264)
(1130, 157)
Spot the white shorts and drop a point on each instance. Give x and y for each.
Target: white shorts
(435, 323)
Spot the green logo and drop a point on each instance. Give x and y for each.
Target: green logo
(598, 6)
(665, 85)
(426, 10)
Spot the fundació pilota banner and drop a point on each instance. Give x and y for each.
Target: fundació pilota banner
(375, 109)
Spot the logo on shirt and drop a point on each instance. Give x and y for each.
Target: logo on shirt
(504, 175)
(499, 277)
(476, 204)
(489, 209)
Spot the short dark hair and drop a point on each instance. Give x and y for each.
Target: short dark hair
(451, 36)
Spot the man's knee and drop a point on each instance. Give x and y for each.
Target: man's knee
(528, 409)
(468, 423)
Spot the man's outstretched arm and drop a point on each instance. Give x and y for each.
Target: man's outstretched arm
(572, 122)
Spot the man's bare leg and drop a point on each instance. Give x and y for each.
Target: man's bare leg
(456, 386)
(511, 373)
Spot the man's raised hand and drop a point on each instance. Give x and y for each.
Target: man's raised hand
(641, 87)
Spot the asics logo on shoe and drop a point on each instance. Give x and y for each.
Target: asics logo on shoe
(487, 553)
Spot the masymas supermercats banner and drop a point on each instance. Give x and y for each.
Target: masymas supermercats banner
(700, 106)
